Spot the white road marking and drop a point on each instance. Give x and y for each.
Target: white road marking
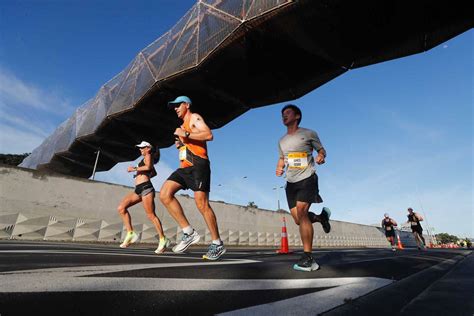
(82, 279)
(127, 254)
(78, 271)
(390, 258)
(299, 251)
(315, 303)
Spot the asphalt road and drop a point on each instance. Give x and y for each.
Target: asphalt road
(48, 278)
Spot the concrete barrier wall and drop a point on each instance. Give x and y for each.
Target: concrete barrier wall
(43, 206)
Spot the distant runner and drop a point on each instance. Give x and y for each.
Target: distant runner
(388, 224)
(296, 155)
(414, 220)
(144, 192)
(195, 174)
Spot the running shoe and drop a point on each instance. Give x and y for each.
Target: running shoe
(325, 215)
(306, 263)
(164, 243)
(186, 241)
(131, 238)
(214, 252)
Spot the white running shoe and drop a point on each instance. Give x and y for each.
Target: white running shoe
(131, 238)
(186, 241)
(164, 243)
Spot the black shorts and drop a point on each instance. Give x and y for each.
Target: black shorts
(196, 177)
(417, 229)
(390, 233)
(144, 188)
(306, 190)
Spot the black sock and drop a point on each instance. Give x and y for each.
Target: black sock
(312, 217)
(308, 254)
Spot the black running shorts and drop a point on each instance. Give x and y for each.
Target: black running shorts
(306, 190)
(196, 177)
(417, 229)
(144, 188)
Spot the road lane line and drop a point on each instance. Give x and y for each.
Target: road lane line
(314, 303)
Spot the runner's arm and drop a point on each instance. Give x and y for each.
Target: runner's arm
(316, 143)
(320, 158)
(148, 165)
(280, 168)
(199, 129)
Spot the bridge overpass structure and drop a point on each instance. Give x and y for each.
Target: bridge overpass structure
(221, 51)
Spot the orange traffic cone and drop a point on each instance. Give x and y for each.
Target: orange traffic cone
(284, 240)
(399, 245)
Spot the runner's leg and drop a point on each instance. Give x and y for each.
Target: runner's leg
(167, 197)
(149, 206)
(128, 201)
(305, 225)
(202, 203)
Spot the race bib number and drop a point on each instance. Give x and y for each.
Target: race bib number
(413, 223)
(186, 156)
(182, 153)
(388, 228)
(297, 160)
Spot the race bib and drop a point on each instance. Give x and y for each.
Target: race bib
(298, 160)
(185, 156)
(182, 153)
(388, 228)
(413, 223)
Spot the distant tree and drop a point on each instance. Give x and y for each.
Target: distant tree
(445, 238)
(468, 242)
(13, 159)
(252, 204)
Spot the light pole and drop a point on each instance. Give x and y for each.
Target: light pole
(230, 187)
(430, 234)
(277, 189)
(95, 164)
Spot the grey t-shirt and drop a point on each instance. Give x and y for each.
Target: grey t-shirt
(297, 150)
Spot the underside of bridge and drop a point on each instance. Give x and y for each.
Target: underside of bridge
(231, 56)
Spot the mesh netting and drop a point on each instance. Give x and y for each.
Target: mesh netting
(204, 27)
(233, 55)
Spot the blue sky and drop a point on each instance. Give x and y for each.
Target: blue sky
(398, 134)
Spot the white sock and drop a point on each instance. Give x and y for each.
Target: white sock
(217, 242)
(188, 230)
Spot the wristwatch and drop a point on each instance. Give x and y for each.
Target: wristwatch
(186, 134)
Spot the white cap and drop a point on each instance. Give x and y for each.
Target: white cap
(386, 215)
(144, 144)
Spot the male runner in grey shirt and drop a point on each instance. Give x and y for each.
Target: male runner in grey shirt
(296, 155)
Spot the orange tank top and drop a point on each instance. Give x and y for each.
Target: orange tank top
(191, 147)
